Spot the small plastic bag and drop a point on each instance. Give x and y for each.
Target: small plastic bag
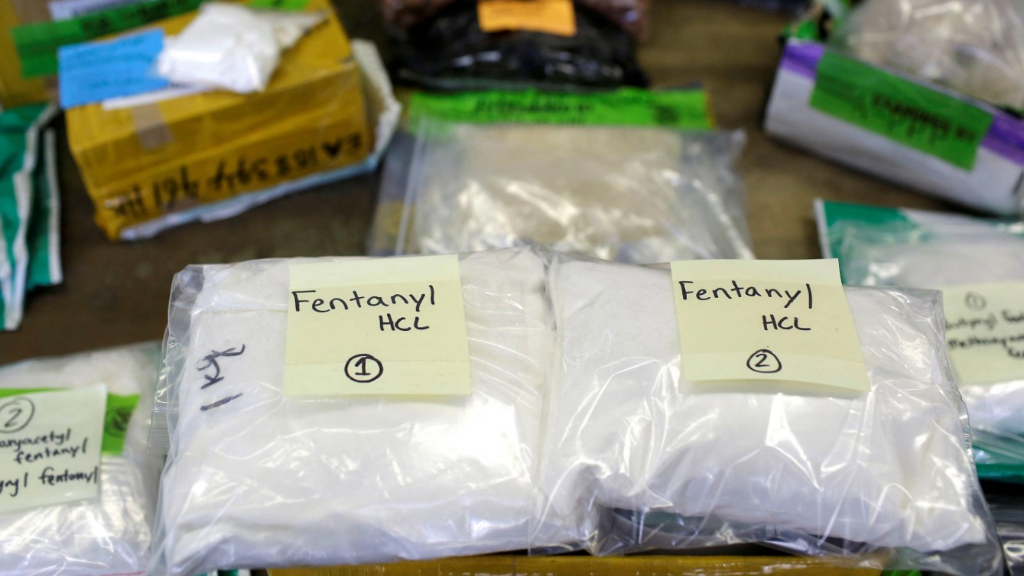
(20, 159)
(261, 479)
(109, 535)
(1009, 514)
(232, 47)
(919, 249)
(648, 462)
(634, 194)
(974, 46)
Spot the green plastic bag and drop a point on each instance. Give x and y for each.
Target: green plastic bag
(19, 155)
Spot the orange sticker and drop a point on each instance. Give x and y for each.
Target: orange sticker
(549, 16)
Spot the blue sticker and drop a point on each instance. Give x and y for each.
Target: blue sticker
(95, 71)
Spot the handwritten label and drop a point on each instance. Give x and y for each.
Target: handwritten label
(50, 447)
(683, 109)
(213, 369)
(985, 331)
(767, 320)
(549, 16)
(927, 120)
(393, 326)
(94, 71)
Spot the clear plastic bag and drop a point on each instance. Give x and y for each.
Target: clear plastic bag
(1009, 514)
(620, 193)
(934, 250)
(268, 480)
(232, 47)
(645, 461)
(974, 46)
(110, 535)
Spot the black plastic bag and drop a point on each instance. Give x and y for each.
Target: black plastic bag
(449, 51)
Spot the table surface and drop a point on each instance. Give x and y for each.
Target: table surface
(117, 293)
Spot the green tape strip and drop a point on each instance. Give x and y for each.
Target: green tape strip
(681, 109)
(280, 4)
(115, 421)
(927, 120)
(37, 43)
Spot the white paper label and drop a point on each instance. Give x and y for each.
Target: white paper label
(985, 331)
(50, 447)
(743, 320)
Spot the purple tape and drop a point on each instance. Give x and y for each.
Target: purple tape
(1005, 137)
(802, 58)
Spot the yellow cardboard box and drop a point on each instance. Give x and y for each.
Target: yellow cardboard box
(144, 162)
(512, 565)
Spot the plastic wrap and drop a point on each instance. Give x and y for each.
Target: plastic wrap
(626, 193)
(647, 461)
(101, 537)
(917, 249)
(232, 47)
(26, 193)
(974, 46)
(449, 51)
(1009, 515)
(275, 481)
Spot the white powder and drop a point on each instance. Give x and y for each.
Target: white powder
(975, 46)
(942, 261)
(109, 535)
(619, 193)
(232, 47)
(890, 468)
(266, 480)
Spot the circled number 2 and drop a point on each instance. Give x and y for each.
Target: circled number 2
(16, 414)
(363, 368)
(764, 361)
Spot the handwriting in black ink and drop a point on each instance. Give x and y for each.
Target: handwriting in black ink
(211, 362)
(219, 403)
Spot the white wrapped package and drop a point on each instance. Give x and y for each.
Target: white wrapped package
(633, 194)
(110, 535)
(265, 480)
(652, 462)
(232, 47)
(919, 249)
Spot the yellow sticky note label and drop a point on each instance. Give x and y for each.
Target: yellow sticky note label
(50, 446)
(391, 326)
(985, 331)
(767, 320)
(549, 16)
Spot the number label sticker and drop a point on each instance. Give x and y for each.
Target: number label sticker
(390, 326)
(743, 320)
(50, 445)
(15, 414)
